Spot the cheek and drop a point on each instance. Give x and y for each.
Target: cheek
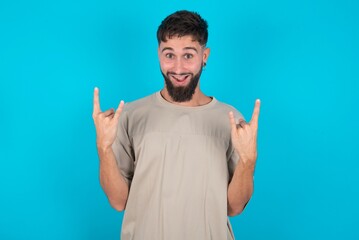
(193, 67)
(166, 63)
(165, 66)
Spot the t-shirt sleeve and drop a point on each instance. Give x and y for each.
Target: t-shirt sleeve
(232, 155)
(123, 150)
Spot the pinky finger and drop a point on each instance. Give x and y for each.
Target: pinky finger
(232, 121)
(119, 110)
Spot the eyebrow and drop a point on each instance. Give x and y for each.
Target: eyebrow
(167, 48)
(191, 48)
(186, 48)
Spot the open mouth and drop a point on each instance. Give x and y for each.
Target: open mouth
(181, 79)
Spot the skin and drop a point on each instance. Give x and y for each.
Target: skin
(181, 55)
(244, 139)
(180, 59)
(111, 179)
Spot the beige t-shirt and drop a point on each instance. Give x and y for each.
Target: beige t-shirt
(178, 162)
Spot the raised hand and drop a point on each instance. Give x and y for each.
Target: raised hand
(105, 122)
(244, 136)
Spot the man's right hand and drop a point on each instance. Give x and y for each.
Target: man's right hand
(105, 122)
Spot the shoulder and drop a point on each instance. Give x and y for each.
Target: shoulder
(140, 104)
(224, 107)
(135, 111)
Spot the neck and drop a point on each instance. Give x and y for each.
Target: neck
(198, 98)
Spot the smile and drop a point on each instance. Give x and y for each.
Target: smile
(180, 79)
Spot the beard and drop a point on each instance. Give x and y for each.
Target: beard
(182, 93)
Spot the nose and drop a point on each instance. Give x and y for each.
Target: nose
(178, 66)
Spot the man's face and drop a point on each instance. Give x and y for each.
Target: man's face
(181, 61)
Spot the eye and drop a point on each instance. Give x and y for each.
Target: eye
(188, 56)
(169, 55)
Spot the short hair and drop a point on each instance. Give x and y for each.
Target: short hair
(183, 23)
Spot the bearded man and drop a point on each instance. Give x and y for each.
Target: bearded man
(178, 162)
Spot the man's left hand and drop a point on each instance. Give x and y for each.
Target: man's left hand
(244, 136)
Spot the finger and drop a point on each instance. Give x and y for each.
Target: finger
(108, 112)
(242, 123)
(255, 114)
(96, 101)
(232, 122)
(119, 110)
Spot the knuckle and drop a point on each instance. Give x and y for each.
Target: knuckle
(101, 116)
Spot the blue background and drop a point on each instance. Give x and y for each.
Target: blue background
(299, 57)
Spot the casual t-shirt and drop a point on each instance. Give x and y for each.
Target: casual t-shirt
(178, 162)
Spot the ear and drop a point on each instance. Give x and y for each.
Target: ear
(206, 54)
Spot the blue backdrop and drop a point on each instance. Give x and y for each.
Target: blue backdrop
(299, 57)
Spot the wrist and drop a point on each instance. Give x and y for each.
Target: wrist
(246, 165)
(103, 149)
(249, 160)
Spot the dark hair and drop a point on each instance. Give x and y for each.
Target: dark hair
(183, 23)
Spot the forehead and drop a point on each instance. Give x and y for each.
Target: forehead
(180, 43)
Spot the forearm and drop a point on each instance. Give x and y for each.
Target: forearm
(240, 188)
(111, 179)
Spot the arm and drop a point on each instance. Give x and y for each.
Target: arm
(111, 180)
(240, 188)
(244, 139)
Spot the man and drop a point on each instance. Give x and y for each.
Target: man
(178, 162)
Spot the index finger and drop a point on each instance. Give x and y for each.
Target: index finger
(255, 114)
(96, 101)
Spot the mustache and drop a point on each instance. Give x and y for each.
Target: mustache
(184, 73)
